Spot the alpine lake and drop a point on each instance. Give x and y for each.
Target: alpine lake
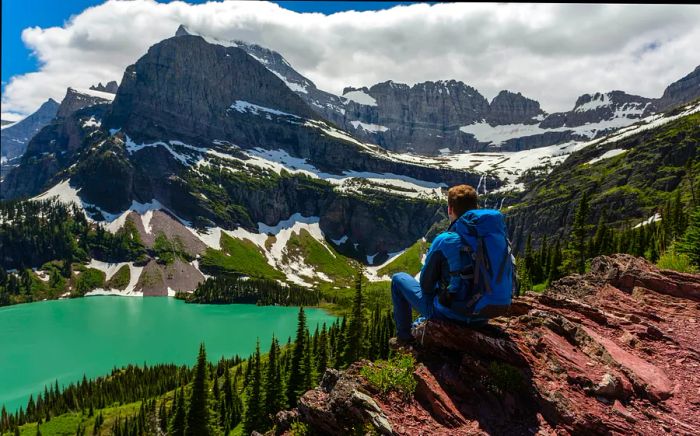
(65, 339)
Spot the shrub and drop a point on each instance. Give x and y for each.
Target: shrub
(395, 374)
(88, 280)
(680, 262)
(120, 279)
(503, 378)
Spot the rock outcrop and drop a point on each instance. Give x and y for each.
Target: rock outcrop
(513, 108)
(111, 87)
(76, 100)
(614, 351)
(682, 91)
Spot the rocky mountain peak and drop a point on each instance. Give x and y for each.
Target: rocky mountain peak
(279, 66)
(76, 99)
(186, 86)
(680, 92)
(111, 87)
(513, 108)
(182, 31)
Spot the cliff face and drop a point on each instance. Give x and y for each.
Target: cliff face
(612, 351)
(682, 91)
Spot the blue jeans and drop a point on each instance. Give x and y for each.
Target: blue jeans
(406, 293)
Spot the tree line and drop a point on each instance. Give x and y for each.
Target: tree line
(248, 290)
(677, 230)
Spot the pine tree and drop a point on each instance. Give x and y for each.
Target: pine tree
(307, 368)
(296, 378)
(555, 263)
(177, 424)
(322, 356)
(678, 217)
(198, 412)
(254, 419)
(578, 234)
(354, 346)
(227, 390)
(598, 243)
(690, 242)
(274, 399)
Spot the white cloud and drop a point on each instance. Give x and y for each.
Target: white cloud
(552, 53)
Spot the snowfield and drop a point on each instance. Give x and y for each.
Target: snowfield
(99, 94)
(606, 155)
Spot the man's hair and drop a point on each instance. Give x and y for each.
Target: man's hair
(462, 198)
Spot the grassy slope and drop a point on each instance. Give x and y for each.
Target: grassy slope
(323, 258)
(67, 423)
(240, 256)
(120, 279)
(409, 261)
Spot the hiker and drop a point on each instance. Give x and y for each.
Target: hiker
(451, 285)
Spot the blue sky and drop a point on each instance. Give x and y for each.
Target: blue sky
(20, 14)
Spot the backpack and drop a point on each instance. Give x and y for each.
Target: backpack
(488, 277)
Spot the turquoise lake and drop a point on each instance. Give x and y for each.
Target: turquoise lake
(64, 339)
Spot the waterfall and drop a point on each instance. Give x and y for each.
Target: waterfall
(479, 185)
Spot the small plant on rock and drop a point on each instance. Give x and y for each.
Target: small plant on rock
(395, 374)
(504, 378)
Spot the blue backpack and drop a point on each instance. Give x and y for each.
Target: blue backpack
(488, 280)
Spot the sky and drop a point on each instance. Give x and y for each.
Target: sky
(550, 52)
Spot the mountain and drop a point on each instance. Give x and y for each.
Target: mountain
(442, 117)
(682, 91)
(232, 148)
(628, 177)
(76, 99)
(52, 148)
(14, 138)
(207, 138)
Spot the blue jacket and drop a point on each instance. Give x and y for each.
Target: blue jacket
(442, 257)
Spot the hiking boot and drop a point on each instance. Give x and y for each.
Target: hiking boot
(402, 344)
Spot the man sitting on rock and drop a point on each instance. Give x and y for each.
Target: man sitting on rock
(468, 275)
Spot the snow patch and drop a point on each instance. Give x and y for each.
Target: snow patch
(374, 128)
(108, 268)
(246, 107)
(340, 241)
(135, 274)
(92, 122)
(372, 272)
(652, 219)
(99, 94)
(291, 85)
(607, 154)
(598, 101)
